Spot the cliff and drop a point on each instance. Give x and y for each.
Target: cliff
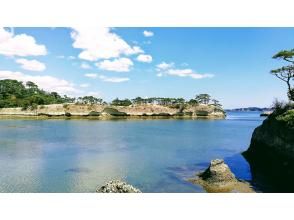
(271, 153)
(104, 111)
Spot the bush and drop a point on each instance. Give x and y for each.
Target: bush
(281, 107)
(202, 113)
(93, 113)
(67, 114)
(114, 112)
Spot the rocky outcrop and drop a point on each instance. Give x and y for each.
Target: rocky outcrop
(219, 178)
(271, 153)
(108, 111)
(117, 186)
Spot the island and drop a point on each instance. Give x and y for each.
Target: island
(28, 100)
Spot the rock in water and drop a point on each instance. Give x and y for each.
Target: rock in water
(219, 178)
(117, 186)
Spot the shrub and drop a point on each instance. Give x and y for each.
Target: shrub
(202, 113)
(67, 114)
(93, 113)
(114, 112)
(161, 114)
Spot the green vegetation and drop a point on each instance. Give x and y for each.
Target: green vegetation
(28, 96)
(114, 112)
(286, 73)
(15, 94)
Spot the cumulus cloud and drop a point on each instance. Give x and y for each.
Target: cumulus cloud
(32, 65)
(188, 73)
(19, 45)
(85, 66)
(113, 79)
(144, 58)
(148, 33)
(164, 66)
(91, 75)
(164, 69)
(101, 43)
(117, 65)
(48, 83)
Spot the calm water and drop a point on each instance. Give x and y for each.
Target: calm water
(153, 155)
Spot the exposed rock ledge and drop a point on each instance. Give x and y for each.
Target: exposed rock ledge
(108, 111)
(219, 178)
(117, 186)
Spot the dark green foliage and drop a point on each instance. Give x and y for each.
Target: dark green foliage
(89, 100)
(202, 113)
(286, 73)
(94, 113)
(67, 114)
(123, 102)
(15, 94)
(114, 112)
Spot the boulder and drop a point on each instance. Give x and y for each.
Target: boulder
(219, 178)
(117, 186)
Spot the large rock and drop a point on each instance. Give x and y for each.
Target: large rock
(117, 186)
(219, 178)
(271, 153)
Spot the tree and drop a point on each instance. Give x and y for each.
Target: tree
(286, 73)
(203, 98)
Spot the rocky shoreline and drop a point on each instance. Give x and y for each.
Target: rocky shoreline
(271, 153)
(109, 112)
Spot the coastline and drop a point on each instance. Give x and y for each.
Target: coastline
(107, 112)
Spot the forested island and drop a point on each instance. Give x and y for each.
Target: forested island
(19, 99)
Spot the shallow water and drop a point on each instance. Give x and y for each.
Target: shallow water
(153, 155)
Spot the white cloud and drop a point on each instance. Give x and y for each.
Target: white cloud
(84, 85)
(144, 58)
(164, 66)
(117, 65)
(91, 75)
(164, 69)
(148, 33)
(188, 73)
(101, 43)
(113, 79)
(32, 65)
(85, 66)
(48, 83)
(19, 45)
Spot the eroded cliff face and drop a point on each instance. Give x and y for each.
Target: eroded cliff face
(271, 153)
(201, 111)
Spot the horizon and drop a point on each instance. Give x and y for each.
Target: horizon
(149, 62)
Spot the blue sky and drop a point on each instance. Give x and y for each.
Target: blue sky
(230, 64)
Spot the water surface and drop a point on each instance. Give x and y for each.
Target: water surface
(153, 155)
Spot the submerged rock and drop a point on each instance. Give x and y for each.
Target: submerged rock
(117, 186)
(219, 178)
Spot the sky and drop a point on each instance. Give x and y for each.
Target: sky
(230, 64)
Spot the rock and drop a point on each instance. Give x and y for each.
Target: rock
(271, 153)
(219, 178)
(117, 186)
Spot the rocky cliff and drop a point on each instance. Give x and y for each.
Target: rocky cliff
(104, 111)
(271, 153)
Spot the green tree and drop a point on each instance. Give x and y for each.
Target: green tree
(203, 98)
(286, 73)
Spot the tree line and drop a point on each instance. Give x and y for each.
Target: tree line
(14, 93)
